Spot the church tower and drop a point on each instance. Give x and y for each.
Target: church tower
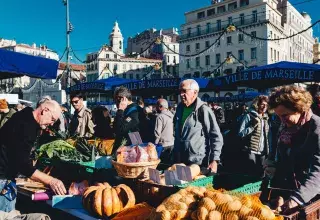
(116, 39)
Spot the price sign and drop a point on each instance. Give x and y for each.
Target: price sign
(135, 138)
(171, 177)
(184, 173)
(154, 175)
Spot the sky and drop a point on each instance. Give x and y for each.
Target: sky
(44, 21)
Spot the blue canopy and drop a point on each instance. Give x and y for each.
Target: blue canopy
(102, 85)
(14, 64)
(269, 76)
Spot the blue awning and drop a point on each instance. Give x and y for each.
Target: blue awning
(14, 64)
(269, 76)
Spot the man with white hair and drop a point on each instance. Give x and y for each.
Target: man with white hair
(17, 138)
(198, 139)
(163, 131)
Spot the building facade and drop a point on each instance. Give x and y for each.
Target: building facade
(268, 19)
(140, 44)
(110, 61)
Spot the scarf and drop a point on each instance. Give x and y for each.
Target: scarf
(287, 133)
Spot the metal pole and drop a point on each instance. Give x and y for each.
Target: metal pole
(66, 2)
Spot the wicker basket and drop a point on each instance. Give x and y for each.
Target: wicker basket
(134, 170)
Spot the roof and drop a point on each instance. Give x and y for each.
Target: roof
(141, 59)
(75, 67)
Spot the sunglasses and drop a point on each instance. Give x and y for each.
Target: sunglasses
(75, 102)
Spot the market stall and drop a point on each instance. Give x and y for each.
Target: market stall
(14, 64)
(269, 76)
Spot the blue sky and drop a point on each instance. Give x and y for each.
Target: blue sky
(43, 21)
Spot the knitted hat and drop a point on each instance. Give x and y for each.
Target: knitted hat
(3, 104)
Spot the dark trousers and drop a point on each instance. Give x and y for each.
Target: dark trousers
(252, 164)
(167, 155)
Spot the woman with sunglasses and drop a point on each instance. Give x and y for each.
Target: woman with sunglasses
(296, 166)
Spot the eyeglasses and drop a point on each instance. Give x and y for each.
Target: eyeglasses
(52, 118)
(75, 102)
(183, 91)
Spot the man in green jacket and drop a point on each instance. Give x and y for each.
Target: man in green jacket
(5, 112)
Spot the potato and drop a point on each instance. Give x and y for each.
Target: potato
(195, 170)
(246, 200)
(251, 218)
(220, 198)
(164, 215)
(267, 213)
(181, 214)
(214, 215)
(187, 200)
(244, 211)
(183, 192)
(160, 208)
(230, 216)
(202, 213)
(208, 204)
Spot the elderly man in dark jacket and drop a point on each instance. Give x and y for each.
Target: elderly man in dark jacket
(197, 135)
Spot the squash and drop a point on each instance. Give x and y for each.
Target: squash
(103, 200)
(202, 213)
(195, 170)
(138, 212)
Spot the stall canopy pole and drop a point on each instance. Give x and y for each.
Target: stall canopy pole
(68, 31)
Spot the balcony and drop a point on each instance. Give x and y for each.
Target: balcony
(238, 23)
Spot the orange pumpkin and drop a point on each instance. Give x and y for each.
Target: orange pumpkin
(103, 200)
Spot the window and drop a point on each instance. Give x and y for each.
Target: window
(229, 20)
(254, 16)
(197, 46)
(240, 38)
(198, 29)
(189, 32)
(221, 9)
(197, 61)
(232, 6)
(124, 66)
(218, 58)
(130, 67)
(137, 76)
(229, 40)
(120, 45)
(275, 55)
(168, 60)
(109, 66)
(188, 63)
(253, 53)
(188, 48)
(271, 52)
(115, 67)
(211, 12)
(174, 60)
(131, 76)
(208, 27)
(253, 35)
(241, 19)
(219, 25)
(270, 34)
(124, 76)
(201, 15)
(174, 47)
(244, 3)
(241, 55)
(218, 44)
(207, 44)
(279, 56)
(207, 60)
(107, 56)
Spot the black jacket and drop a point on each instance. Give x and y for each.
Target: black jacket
(300, 169)
(125, 122)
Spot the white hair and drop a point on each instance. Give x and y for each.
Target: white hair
(192, 84)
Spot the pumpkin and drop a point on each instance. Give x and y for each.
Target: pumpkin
(103, 200)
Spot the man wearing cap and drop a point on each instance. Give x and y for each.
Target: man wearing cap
(5, 112)
(163, 131)
(17, 138)
(198, 139)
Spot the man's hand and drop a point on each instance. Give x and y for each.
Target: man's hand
(288, 206)
(123, 104)
(57, 187)
(213, 167)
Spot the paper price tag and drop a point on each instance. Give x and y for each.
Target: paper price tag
(135, 138)
(184, 173)
(171, 177)
(154, 175)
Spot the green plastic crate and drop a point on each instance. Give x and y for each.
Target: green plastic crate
(250, 188)
(199, 182)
